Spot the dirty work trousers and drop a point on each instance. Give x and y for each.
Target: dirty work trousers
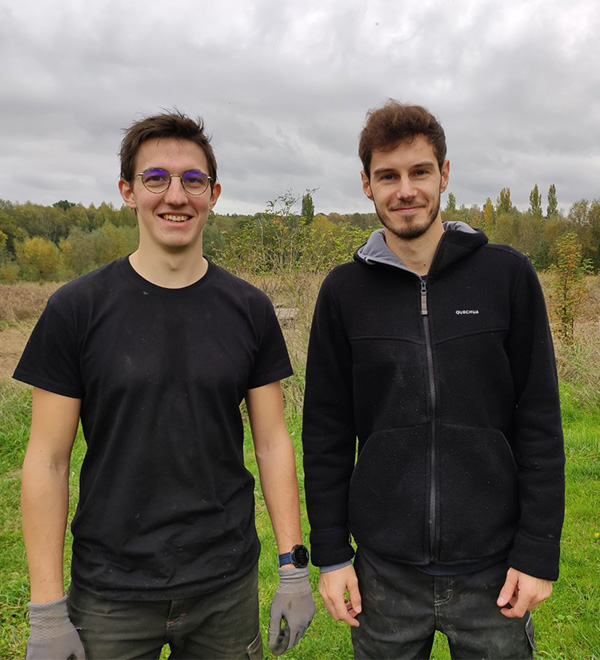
(220, 624)
(402, 607)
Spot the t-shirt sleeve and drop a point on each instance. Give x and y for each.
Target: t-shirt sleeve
(50, 358)
(272, 361)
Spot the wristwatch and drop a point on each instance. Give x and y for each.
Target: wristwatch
(298, 556)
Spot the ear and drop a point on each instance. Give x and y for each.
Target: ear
(445, 176)
(366, 185)
(214, 195)
(126, 191)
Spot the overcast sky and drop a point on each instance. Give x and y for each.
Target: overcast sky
(284, 87)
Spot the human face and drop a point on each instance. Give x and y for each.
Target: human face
(171, 221)
(406, 185)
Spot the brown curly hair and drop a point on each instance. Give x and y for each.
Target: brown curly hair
(393, 123)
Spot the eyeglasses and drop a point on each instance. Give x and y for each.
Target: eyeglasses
(157, 180)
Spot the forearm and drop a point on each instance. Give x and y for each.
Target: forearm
(279, 484)
(44, 504)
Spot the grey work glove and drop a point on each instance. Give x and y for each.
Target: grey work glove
(293, 606)
(52, 636)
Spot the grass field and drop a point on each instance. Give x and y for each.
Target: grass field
(567, 626)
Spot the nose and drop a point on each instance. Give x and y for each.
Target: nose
(406, 190)
(175, 194)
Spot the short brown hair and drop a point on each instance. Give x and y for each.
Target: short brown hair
(166, 125)
(386, 127)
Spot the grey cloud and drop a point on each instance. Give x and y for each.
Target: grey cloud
(284, 88)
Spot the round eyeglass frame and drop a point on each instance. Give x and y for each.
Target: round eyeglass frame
(194, 193)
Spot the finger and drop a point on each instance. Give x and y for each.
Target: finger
(278, 639)
(351, 620)
(518, 609)
(508, 589)
(511, 613)
(338, 608)
(354, 597)
(350, 613)
(297, 637)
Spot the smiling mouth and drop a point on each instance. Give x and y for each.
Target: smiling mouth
(406, 208)
(174, 218)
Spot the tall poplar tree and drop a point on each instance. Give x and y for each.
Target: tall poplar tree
(504, 203)
(451, 204)
(488, 218)
(535, 202)
(552, 208)
(308, 208)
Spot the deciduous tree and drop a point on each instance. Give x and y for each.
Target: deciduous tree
(450, 204)
(552, 208)
(38, 258)
(488, 219)
(308, 207)
(535, 202)
(569, 284)
(504, 203)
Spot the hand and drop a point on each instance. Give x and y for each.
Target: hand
(523, 593)
(333, 586)
(52, 636)
(293, 605)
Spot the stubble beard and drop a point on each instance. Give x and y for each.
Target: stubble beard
(411, 230)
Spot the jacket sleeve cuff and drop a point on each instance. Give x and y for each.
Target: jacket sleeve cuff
(335, 567)
(330, 546)
(536, 557)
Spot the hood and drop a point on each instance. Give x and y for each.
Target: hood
(456, 235)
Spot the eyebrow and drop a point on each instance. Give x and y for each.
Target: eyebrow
(196, 170)
(423, 165)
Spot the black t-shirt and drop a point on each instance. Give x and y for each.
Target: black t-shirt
(166, 506)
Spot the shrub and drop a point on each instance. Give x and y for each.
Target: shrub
(39, 259)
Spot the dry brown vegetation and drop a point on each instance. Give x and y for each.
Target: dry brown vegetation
(579, 363)
(21, 304)
(298, 291)
(24, 301)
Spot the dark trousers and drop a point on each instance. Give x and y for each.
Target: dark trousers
(222, 624)
(402, 607)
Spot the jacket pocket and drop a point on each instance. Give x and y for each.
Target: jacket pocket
(388, 493)
(478, 493)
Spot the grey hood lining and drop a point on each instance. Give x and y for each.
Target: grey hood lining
(376, 251)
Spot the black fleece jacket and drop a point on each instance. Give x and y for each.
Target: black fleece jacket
(450, 386)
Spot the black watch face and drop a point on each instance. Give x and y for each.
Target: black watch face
(299, 556)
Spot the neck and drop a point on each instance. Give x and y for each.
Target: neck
(171, 270)
(416, 253)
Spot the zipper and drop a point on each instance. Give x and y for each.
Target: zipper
(432, 398)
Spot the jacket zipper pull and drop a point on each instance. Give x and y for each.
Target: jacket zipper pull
(424, 311)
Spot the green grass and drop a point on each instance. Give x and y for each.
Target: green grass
(567, 626)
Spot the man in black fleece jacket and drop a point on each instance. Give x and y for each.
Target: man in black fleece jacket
(432, 349)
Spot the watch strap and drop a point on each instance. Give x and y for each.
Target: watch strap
(285, 558)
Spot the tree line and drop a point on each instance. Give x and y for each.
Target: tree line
(64, 240)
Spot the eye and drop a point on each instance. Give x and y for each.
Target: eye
(387, 176)
(155, 176)
(422, 171)
(195, 179)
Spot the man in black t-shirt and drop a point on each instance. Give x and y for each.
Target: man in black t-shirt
(154, 354)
